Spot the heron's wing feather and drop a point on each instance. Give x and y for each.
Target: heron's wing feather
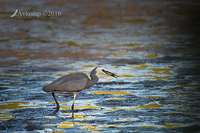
(69, 83)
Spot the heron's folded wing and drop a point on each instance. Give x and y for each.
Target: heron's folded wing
(68, 83)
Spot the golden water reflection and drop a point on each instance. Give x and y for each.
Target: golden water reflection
(166, 126)
(99, 127)
(88, 106)
(150, 56)
(125, 119)
(155, 73)
(116, 99)
(152, 96)
(160, 78)
(12, 105)
(5, 116)
(187, 85)
(150, 105)
(84, 126)
(162, 71)
(141, 66)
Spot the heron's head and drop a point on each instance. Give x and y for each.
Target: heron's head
(104, 71)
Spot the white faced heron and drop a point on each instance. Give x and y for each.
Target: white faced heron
(73, 83)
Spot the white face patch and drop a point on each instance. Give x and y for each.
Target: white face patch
(99, 70)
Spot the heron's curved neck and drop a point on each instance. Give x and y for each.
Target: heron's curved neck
(93, 80)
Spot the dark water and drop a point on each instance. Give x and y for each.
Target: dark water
(152, 45)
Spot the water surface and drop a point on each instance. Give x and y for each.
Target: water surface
(153, 46)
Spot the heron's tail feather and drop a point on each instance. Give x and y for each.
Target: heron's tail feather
(45, 89)
(48, 88)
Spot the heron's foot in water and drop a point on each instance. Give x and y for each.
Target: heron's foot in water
(55, 111)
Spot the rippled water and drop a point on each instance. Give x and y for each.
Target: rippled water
(153, 46)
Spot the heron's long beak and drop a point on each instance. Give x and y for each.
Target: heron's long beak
(109, 73)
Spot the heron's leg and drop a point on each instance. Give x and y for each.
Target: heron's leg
(57, 108)
(75, 93)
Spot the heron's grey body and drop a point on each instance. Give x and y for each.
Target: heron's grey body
(73, 83)
(70, 83)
